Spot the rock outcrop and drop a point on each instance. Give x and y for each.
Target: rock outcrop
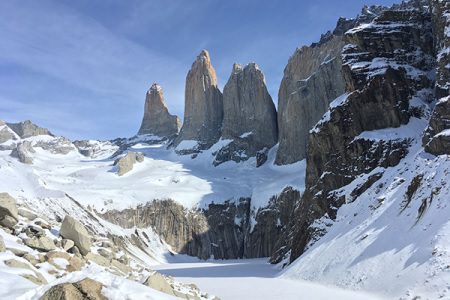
(223, 231)
(157, 120)
(23, 152)
(437, 136)
(27, 129)
(250, 117)
(125, 163)
(203, 111)
(8, 211)
(84, 289)
(384, 65)
(73, 230)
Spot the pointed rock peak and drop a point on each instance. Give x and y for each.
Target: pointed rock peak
(237, 68)
(204, 55)
(155, 88)
(252, 66)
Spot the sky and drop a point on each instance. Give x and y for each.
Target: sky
(82, 68)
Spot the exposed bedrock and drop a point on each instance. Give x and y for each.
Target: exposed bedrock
(203, 110)
(157, 120)
(222, 231)
(437, 136)
(384, 65)
(250, 117)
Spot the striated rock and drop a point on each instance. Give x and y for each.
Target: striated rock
(8, 211)
(22, 152)
(250, 117)
(203, 112)
(73, 230)
(27, 129)
(157, 120)
(222, 231)
(81, 290)
(125, 163)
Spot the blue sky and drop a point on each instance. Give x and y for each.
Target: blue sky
(82, 68)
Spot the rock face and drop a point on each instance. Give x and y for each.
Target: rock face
(203, 111)
(384, 65)
(27, 129)
(8, 210)
(157, 120)
(125, 163)
(312, 79)
(222, 231)
(437, 136)
(22, 152)
(250, 117)
(73, 230)
(81, 290)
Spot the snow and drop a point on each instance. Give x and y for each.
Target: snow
(252, 279)
(379, 242)
(162, 175)
(186, 145)
(244, 135)
(409, 130)
(445, 132)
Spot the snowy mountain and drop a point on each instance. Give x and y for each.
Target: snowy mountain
(353, 195)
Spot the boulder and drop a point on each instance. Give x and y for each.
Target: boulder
(203, 109)
(81, 290)
(159, 282)
(98, 259)
(73, 230)
(157, 120)
(67, 244)
(42, 243)
(27, 214)
(125, 163)
(37, 278)
(8, 211)
(22, 152)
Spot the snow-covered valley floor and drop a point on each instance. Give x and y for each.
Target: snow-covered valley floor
(253, 279)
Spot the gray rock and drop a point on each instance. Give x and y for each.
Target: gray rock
(73, 230)
(125, 163)
(312, 79)
(250, 117)
(40, 243)
(27, 129)
(158, 282)
(67, 244)
(27, 214)
(6, 134)
(157, 120)
(8, 211)
(2, 245)
(81, 290)
(203, 110)
(23, 152)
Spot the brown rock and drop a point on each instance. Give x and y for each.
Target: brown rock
(203, 111)
(86, 289)
(157, 120)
